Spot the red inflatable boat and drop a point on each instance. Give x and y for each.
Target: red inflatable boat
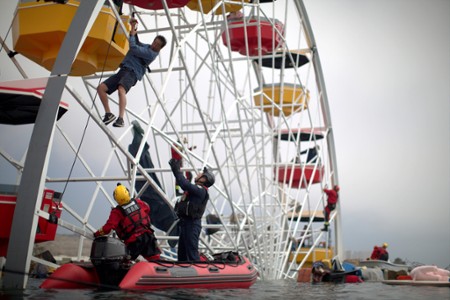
(109, 268)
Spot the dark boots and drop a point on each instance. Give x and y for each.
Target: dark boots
(325, 227)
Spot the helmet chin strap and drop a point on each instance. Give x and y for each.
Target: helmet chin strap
(198, 180)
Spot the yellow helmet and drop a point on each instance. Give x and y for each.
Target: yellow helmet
(121, 194)
(385, 245)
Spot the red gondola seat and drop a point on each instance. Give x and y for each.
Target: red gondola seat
(295, 172)
(46, 230)
(268, 32)
(20, 101)
(157, 4)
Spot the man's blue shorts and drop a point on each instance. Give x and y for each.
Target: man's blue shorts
(125, 77)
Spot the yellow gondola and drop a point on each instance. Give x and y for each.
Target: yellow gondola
(289, 99)
(315, 255)
(39, 29)
(207, 5)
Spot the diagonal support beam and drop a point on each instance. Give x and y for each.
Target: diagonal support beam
(29, 197)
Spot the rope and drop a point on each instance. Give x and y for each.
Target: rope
(89, 118)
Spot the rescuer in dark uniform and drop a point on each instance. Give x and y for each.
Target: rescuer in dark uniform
(131, 221)
(190, 209)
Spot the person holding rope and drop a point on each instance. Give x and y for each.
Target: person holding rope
(132, 69)
(130, 219)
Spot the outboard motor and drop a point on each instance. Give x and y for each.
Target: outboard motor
(110, 259)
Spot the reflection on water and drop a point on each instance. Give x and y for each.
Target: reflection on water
(285, 289)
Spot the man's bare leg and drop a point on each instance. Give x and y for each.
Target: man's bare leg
(102, 90)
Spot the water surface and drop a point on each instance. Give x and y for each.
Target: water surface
(279, 289)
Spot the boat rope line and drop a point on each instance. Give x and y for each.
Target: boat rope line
(88, 119)
(202, 264)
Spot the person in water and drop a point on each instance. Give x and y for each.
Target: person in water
(190, 209)
(132, 69)
(333, 197)
(130, 219)
(380, 253)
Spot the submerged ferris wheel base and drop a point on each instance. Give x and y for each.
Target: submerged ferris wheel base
(260, 109)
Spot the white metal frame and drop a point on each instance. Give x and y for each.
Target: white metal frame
(202, 90)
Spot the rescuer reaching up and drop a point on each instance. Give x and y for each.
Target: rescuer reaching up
(177, 156)
(190, 209)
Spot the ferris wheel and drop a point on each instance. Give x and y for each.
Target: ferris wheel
(238, 89)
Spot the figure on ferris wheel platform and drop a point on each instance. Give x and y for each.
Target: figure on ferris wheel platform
(333, 197)
(312, 154)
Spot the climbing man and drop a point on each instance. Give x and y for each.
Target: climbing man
(132, 69)
(190, 209)
(333, 196)
(130, 219)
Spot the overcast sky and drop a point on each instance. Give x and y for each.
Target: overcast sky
(386, 65)
(387, 71)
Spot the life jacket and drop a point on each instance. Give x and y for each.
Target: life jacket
(191, 209)
(379, 253)
(135, 221)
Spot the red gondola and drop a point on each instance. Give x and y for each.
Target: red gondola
(271, 35)
(157, 4)
(309, 172)
(20, 101)
(46, 230)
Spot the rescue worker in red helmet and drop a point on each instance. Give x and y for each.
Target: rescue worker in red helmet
(380, 253)
(190, 209)
(333, 197)
(130, 219)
